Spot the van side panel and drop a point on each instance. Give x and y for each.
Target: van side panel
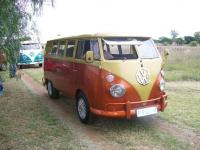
(88, 80)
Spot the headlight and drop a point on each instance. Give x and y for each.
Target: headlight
(117, 90)
(162, 84)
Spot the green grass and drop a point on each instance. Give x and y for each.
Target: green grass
(27, 124)
(184, 105)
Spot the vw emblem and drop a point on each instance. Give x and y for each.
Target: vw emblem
(31, 54)
(143, 76)
(24, 57)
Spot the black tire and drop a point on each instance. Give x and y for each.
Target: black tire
(52, 92)
(40, 65)
(20, 66)
(83, 109)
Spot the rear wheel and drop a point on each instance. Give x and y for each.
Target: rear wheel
(52, 92)
(83, 109)
(40, 65)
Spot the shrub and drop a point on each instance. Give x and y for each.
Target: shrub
(193, 43)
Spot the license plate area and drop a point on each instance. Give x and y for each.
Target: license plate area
(146, 111)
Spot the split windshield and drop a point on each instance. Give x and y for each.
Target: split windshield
(31, 46)
(128, 48)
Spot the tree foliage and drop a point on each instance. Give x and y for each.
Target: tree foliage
(197, 37)
(188, 39)
(13, 21)
(179, 41)
(165, 40)
(193, 43)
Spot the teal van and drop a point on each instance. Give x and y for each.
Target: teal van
(30, 53)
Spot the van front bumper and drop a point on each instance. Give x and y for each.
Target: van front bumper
(30, 63)
(129, 109)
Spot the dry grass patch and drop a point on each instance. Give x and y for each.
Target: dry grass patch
(183, 63)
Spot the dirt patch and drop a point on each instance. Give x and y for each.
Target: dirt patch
(84, 133)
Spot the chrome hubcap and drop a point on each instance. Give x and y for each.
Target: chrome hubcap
(49, 88)
(81, 108)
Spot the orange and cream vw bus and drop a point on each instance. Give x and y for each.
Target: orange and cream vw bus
(110, 76)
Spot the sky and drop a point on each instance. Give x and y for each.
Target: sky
(153, 18)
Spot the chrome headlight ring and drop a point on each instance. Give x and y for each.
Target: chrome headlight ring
(117, 90)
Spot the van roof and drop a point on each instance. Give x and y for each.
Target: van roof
(29, 42)
(98, 35)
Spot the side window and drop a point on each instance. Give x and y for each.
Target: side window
(83, 47)
(94, 46)
(80, 49)
(86, 45)
(54, 48)
(70, 48)
(61, 48)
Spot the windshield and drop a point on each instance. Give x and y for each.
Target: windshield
(128, 48)
(30, 46)
(147, 49)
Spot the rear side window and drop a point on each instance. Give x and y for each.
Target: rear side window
(70, 48)
(54, 49)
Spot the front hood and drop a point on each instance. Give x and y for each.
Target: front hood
(128, 71)
(31, 54)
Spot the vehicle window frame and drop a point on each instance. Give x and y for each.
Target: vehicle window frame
(154, 46)
(74, 49)
(53, 44)
(119, 50)
(88, 39)
(59, 44)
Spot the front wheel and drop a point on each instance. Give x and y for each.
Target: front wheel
(83, 109)
(52, 92)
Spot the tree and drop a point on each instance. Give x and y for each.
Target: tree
(193, 43)
(197, 37)
(165, 40)
(179, 41)
(13, 21)
(188, 39)
(174, 34)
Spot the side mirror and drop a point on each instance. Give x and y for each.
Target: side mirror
(89, 56)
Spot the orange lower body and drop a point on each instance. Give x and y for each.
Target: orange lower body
(128, 109)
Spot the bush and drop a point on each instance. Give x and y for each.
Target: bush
(193, 43)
